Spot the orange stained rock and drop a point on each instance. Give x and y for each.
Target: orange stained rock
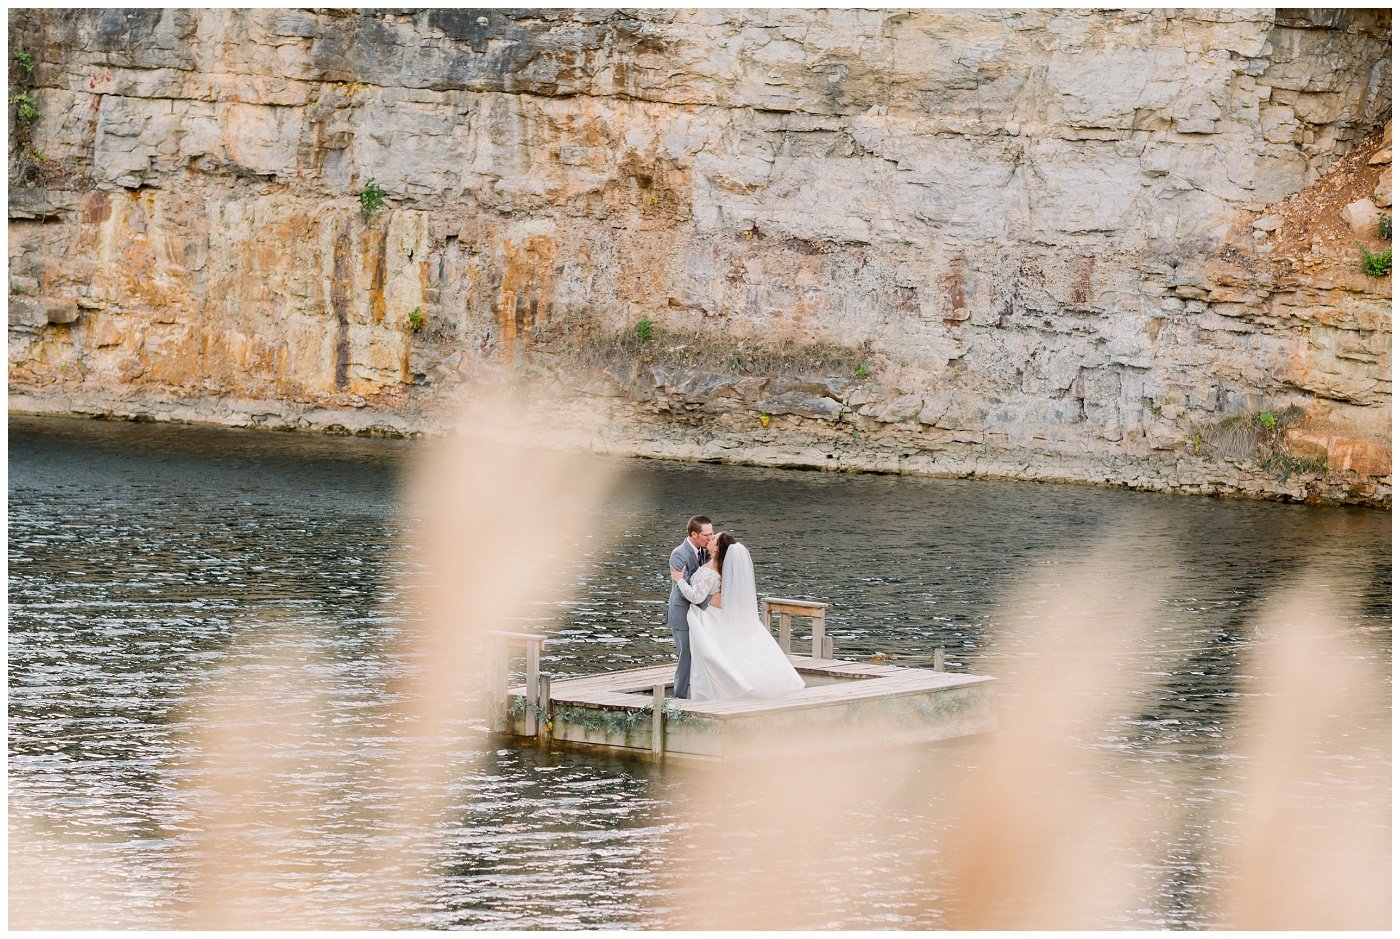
(1309, 445)
(953, 288)
(296, 229)
(1081, 287)
(375, 252)
(1344, 454)
(527, 288)
(1358, 456)
(97, 208)
(425, 279)
(105, 331)
(175, 355)
(255, 354)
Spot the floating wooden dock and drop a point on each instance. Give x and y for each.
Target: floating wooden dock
(844, 704)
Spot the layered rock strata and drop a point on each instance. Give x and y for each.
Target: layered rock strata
(1032, 230)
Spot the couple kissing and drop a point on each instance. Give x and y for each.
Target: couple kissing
(725, 650)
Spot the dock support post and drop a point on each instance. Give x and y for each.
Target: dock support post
(544, 707)
(500, 681)
(785, 633)
(658, 718)
(938, 660)
(532, 685)
(828, 648)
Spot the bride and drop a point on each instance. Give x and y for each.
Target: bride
(732, 655)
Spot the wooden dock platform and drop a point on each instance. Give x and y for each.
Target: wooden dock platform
(844, 704)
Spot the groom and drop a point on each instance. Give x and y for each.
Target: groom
(686, 558)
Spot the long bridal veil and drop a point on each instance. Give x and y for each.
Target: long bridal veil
(765, 669)
(740, 594)
(732, 654)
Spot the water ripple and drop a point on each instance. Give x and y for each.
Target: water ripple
(140, 557)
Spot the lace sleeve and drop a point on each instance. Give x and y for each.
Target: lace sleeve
(702, 583)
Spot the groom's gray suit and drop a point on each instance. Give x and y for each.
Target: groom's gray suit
(685, 559)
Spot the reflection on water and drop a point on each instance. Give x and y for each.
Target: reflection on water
(141, 555)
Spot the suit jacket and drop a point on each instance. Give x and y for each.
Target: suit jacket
(686, 559)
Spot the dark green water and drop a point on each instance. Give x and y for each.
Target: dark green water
(140, 556)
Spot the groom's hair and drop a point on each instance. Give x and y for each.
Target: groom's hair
(697, 524)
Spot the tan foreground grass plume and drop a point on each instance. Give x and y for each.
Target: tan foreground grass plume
(1043, 836)
(1043, 825)
(1035, 826)
(1038, 842)
(1313, 809)
(495, 517)
(264, 732)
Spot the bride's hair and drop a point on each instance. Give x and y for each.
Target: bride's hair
(722, 546)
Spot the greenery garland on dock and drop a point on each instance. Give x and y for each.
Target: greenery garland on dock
(917, 710)
(609, 721)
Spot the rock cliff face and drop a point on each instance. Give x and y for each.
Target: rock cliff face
(988, 243)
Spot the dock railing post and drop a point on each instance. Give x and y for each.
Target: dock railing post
(658, 718)
(785, 632)
(828, 648)
(938, 660)
(498, 680)
(818, 633)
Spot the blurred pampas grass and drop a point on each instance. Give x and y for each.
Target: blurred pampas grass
(1043, 837)
(1041, 825)
(494, 517)
(1313, 849)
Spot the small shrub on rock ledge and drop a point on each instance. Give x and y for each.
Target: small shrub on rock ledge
(1258, 437)
(371, 198)
(1375, 263)
(1284, 465)
(26, 110)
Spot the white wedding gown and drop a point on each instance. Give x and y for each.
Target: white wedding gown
(731, 654)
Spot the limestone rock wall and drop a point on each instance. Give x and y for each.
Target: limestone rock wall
(1028, 226)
